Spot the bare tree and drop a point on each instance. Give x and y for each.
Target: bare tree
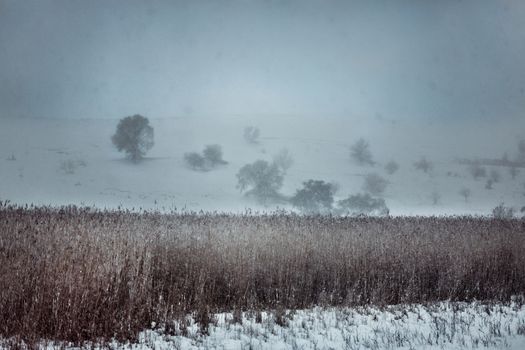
(360, 152)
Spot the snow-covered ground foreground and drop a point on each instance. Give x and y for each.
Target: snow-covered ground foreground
(444, 325)
(32, 152)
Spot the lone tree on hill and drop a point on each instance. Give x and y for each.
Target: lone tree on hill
(134, 136)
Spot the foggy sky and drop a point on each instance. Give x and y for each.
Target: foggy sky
(398, 59)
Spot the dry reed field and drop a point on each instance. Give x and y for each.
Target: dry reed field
(80, 274)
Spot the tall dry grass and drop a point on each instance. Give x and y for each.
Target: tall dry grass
(80, 274)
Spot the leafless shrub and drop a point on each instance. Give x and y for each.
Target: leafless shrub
(391, 167)
(78, 274)
(375, 184)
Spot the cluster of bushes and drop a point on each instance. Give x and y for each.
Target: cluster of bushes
(211, 158)
(79, 274)
(262, 181)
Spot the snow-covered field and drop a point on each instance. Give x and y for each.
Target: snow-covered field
(320, 147)
(438, 326)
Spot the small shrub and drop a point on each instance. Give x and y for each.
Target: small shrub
(360, 152)
(391, 167)
(375, 184)
(251, 134)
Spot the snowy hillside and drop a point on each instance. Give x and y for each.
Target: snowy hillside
(53, 161)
